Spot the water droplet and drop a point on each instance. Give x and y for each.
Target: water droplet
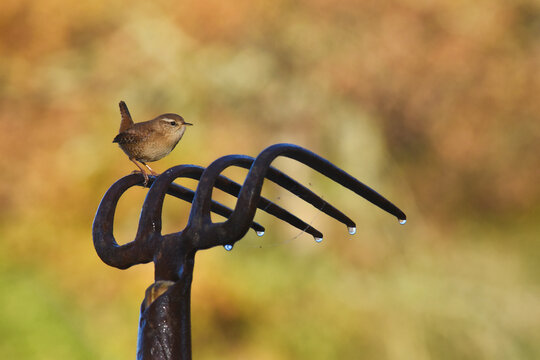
(260, 233)
(352, 230)
(402, 221)
(318, 239)
(228, 247)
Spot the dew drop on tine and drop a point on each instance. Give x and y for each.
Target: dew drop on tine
(228, 247)
(352, 230)
(260, 233)
(402, 221)
(318, 239)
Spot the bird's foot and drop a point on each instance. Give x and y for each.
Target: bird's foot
(146, 178)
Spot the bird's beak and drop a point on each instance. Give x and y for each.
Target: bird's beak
(188, 124)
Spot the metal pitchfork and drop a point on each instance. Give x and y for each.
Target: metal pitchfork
(165, 323)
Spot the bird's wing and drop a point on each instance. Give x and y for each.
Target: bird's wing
(130, 136)
(126, 121)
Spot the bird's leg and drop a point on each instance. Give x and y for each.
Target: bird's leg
(141, 170)
(149, 168)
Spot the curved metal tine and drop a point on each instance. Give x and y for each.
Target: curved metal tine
(201, 203)
(119, 256)
(299, 190)
(137, 251)
(255, 177)
(153, 204)
(227, 185)
(233, 188)
(186, 194)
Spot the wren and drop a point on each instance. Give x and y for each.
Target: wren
(150, 140)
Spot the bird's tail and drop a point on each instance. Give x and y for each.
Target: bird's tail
(126, 121)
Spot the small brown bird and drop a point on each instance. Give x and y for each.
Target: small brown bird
(150, 140)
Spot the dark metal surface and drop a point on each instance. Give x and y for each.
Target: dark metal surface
(164, 329)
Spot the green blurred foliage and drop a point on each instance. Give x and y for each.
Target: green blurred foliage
(434, 104)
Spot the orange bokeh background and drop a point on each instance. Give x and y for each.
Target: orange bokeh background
(434, 104)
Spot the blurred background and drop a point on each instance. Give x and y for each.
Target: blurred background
(433, 104)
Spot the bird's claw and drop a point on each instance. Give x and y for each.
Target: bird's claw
(146, 178)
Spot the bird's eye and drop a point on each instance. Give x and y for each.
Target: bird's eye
(172, 123)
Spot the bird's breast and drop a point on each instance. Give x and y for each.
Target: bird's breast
(154, 147)
(153, 151)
